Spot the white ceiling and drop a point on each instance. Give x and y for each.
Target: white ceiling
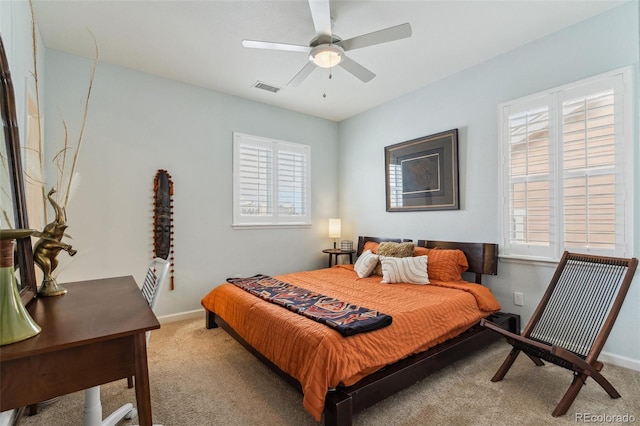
(199, 42)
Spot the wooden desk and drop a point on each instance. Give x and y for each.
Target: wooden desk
(92, 335)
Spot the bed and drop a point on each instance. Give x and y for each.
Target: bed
(433, 325)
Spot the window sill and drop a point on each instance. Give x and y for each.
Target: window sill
(270, 226)
(528, 260)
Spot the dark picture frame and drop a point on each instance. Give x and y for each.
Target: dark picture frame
(422, 174)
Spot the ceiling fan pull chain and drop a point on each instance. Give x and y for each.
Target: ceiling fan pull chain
(324, 95)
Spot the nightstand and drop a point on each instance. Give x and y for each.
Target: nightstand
(506, 320)
(334, 253)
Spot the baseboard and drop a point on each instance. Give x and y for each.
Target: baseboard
(198, 313)
(620, 361)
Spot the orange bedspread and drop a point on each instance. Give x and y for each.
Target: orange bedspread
(318, 356)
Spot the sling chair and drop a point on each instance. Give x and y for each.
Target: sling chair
(573, 320)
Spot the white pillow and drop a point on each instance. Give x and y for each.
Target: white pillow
(365, 264)
(404, 270)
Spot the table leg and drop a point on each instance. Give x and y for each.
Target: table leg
(330, 258)
(143, 390)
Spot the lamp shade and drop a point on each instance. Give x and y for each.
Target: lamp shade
(334, 228)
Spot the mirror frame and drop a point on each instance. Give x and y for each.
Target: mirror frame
(24, 251)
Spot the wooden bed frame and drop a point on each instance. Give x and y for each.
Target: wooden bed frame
(344, 401)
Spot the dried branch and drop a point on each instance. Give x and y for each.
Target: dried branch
(60, 159)
(7, 219)
(62, 162)
(84, 122)
(34, 41)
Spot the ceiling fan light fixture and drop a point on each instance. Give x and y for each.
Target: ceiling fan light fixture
(326, 55)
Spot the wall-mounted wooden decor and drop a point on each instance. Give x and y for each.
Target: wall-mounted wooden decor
(163, 218)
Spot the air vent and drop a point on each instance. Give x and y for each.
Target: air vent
(267, 87)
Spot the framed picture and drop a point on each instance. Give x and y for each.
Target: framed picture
(422, 174)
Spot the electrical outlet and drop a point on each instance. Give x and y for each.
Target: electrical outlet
(518, 299)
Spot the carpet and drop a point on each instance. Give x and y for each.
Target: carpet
(204, 377)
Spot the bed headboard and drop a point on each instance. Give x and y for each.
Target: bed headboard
(363, 240)
(482, 257)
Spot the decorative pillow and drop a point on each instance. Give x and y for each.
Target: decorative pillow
(371, 245)
(390, 249)
(365, 264)
(420, 251)
(404, 270)
(444, 264)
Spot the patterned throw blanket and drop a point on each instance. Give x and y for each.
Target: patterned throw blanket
(346, 318)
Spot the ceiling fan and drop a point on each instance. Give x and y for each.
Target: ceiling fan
(327, 50)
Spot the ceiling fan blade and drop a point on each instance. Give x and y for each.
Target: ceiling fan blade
(382, 36)
(356, 69)
(254, 44)
(302, 74)
(321, 15)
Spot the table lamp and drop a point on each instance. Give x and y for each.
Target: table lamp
(15, 322)
(334, 230)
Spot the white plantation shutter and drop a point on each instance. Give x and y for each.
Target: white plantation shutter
(589, 171)
(255, 180)
(567, 175)
(271, 182)
(292, 187)
(530, 175)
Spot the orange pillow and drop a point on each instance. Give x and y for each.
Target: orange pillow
(371, 245)
(420, 251)
(444, 264)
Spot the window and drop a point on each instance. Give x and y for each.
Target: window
(566, 179)
(271, 182)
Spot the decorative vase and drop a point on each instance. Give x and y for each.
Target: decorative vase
(15, 322)
(45, 252)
